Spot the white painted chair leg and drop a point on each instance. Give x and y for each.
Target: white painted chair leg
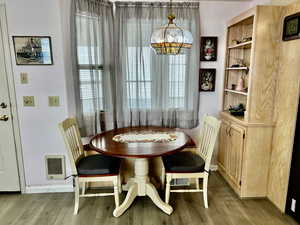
(205, 182)
(76, 206)
(116, 192)
(83, 188)
(168, 188)
(163, 177)
(120, 184)
(197, 184)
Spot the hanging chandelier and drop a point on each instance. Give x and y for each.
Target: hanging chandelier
(171, 39)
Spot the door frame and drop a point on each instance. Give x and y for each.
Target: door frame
(12, 95)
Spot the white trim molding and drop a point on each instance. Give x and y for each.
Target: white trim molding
(49, 189)
(12, 94)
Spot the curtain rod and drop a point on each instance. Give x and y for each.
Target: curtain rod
(157, 4)
(180, 1)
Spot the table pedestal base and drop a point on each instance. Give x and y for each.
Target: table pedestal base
(141, 186)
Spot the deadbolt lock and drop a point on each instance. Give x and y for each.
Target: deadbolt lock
(4, 118)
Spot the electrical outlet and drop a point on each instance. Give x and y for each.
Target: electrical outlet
(24, 78)
(28, 101)
(293, 206)
(53, 101)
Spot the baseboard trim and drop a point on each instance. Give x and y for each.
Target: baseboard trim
(213, 167)
(48, 189)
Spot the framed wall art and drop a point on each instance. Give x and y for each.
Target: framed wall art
(33, 50)
(291, 27)
(207, 80)
(209, 49)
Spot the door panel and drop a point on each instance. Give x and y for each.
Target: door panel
(223, 144)
(235, 153)
(9, 176)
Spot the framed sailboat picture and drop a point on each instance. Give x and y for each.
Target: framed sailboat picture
(33, 50)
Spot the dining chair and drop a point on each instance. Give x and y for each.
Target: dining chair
(193, 165)
(92, 168)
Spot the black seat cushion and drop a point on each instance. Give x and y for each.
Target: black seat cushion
(183, 162)
(98, 165)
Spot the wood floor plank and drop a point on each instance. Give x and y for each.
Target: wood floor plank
(225, 208)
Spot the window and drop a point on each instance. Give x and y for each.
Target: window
(139, 79)
(90, 76)
(177, 77)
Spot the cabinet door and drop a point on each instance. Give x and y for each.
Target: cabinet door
(223, 144)
(235, 153)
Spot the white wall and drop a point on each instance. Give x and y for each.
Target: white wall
(39, 131)
(38, 125)
(214, 16)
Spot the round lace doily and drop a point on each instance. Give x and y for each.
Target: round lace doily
(147, 136)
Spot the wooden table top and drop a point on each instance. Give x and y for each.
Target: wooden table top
(103, 143)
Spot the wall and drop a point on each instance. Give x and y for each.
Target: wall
(286, 106)
(38, 125)
(214, 16)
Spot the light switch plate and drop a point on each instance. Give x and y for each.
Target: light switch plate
(53, 101)
(28, 101)
(24, 78)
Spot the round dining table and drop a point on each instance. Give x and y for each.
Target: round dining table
(141, 151)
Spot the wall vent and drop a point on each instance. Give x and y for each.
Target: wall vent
(55, 167)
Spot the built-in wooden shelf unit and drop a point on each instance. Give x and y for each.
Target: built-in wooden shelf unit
(245, 141)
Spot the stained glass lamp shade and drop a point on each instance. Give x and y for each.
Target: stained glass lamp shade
(171, 39)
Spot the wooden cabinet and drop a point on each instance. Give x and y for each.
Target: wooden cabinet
(231, 151)
(244, 155)
(223, 144)
(235, 153)
(245, 141)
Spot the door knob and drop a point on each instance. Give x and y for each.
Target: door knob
(3, 105)
(4, 118)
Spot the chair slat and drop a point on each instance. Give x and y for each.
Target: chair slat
(70, 132)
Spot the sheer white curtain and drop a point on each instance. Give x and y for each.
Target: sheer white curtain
(93, 61)
(120, 81)
(152, 89)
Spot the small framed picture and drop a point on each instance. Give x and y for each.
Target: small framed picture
(291, 27)
(209, 49)
(33, 50)
(207, 80)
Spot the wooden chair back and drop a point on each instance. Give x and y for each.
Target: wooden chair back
(208, 137)
(70, 132)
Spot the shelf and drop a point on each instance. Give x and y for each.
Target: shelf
(237, 68)
(242, 121)
(236, 92)
(239, 119)
(241, 45)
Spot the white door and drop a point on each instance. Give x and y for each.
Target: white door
(9, 176)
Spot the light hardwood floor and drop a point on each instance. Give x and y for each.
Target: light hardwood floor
(225, 208)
